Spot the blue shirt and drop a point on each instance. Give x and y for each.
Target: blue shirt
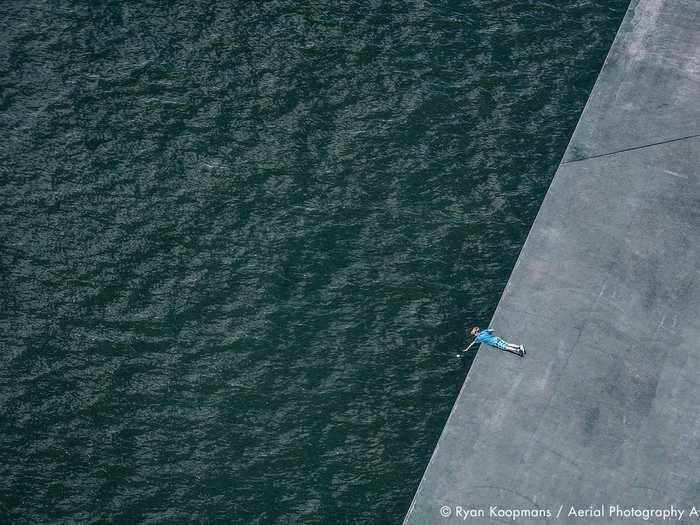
(485, 337)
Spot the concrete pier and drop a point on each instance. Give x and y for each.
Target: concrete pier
(605, 408)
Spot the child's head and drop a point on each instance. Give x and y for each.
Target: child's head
(474, 330)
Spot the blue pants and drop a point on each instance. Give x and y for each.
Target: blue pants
(498, 343)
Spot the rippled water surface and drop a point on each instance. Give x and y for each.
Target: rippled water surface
(239, 242)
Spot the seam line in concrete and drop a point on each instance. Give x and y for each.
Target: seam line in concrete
(631, 149)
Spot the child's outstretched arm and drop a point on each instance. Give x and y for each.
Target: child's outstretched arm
(469, 347)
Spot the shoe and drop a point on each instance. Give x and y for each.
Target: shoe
(522, 351)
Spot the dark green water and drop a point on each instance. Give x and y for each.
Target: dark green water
(239, 242)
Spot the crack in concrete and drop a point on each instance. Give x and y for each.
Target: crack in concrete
(631, 149)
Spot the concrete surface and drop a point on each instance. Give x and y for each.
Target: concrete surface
(605, 408)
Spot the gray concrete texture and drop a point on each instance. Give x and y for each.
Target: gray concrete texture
(605, 408)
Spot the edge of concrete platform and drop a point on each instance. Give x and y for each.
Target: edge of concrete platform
(628, 13)
(555, 233)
